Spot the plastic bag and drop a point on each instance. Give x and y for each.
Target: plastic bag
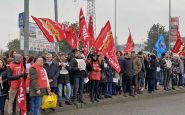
(49, 101)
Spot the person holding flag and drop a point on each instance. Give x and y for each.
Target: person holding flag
(15, 72)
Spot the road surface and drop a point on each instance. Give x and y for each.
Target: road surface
(169, 105)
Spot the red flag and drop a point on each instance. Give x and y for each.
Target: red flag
(22, 92)
(72, 38)
(83, 32)
(130, 44)
(50, 29)
(178, 47)
(105, 44)
(91, 31)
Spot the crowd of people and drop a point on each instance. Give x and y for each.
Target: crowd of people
(72, 75)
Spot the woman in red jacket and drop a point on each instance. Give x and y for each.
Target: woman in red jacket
(94, 69)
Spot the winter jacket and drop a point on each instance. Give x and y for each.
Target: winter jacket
(52, 72)
(94, 70)
(136, 65)
(151, 68)
(34, 87)
(109, 72)
(127, 69)
(142, 63)
(75, 70)
(5, 86)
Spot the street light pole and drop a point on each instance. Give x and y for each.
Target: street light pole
(115, 27)
(56, 19)
(26, 27)
(169, 23)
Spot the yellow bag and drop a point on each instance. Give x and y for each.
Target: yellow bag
(49, 101)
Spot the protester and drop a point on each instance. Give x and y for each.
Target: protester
(4, 86)
(137, 69)
(166, 65)
(94, 69)
(52, 69)
(142, 72)
(14, 73)
(128, 74)
(39, 85)
(64, 79)
(151, 68)
(109, 73)
(119, 55)
(78, 73)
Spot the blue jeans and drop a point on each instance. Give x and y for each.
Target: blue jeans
(67, 93)
(78, 88)
(36, 102)
(151, 84)
(2, 103)
(142, 80)
(54, 89)
(108, 89)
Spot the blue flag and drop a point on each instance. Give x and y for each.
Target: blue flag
(160, 46)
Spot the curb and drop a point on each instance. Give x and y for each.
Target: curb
(116, 99)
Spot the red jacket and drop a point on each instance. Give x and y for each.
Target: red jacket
(41, 77)
(16, 70)
(95, 74)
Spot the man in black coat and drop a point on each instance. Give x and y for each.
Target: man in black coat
(128, 73)
(78, 73)
(53, 72)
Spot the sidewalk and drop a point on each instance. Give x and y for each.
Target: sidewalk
(116, 99)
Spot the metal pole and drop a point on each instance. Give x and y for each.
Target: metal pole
(26, 27)
(169, 23)
(115, 27)
(56, 19)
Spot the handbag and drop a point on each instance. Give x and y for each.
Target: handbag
(49, 101)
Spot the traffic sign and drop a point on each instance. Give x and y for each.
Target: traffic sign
(21, 20)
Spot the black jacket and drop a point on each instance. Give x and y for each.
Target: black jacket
(75, 71)
(152, 66)
(4, 91)
(127, 69)
(52, 72)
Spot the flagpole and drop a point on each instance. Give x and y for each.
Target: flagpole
(56, 19)
(115, 27)
(169, 23)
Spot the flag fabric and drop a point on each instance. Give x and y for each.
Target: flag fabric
(91, 31)
(51, 29)
(130, 44)
(22, 92)
(179, 45)
(72, 38)
(160, 46)
(105, 44)
(83, 32)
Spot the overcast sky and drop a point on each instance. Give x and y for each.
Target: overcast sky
(138, 15)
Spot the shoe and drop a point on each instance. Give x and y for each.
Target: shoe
(92, 100)
(68, 103)
(132, 95)
(60, 104)
(180, 87)
(109, 96)
(97, 100)
(173, 88)
(81, 101)
(125, 95)
(74, 102)
(52, 109)
(106, 96)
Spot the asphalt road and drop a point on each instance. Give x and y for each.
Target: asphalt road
(169, 105)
